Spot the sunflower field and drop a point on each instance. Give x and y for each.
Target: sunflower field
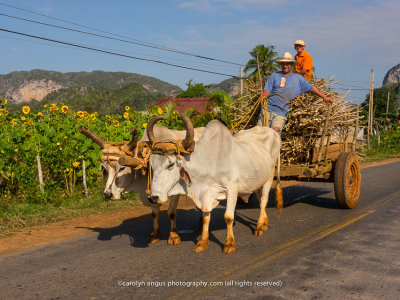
(53, 136)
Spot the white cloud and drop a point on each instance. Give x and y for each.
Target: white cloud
(225, 5)
(47, 10)
(15, 49)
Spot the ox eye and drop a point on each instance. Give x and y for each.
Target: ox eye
(170, 166)
(104, 171)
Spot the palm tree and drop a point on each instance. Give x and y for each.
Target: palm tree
(266, 61)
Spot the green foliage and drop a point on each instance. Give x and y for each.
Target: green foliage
(109, 80)
(385, 144)
(263, 57)
(193, 90)
(219, 98)
(89, 98)
(380, 101)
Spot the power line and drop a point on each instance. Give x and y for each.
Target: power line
(353, 87)
(133, 41)
(115, 53)
(171, 60)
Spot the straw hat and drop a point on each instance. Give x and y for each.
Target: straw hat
(286, 57)
(299, 42)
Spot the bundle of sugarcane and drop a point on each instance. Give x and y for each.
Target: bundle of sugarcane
(309, 119)
(312, 121)
(246, 109)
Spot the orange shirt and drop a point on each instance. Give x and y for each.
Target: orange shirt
(305, 63)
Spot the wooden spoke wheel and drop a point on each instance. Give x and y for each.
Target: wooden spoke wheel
(347, 180)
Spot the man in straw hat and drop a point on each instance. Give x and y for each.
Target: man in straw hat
(281, 88)
(304, 59)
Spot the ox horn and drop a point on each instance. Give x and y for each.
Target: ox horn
(149, 128)
(128, 161)
(98, 140)
(133, 142)
(188, 142)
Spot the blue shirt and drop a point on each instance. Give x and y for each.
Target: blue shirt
(283, 89)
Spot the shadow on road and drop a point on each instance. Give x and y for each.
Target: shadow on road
(188, 220)
(139, 228)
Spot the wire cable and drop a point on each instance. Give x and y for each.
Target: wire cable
(133, 41)
(115, 53)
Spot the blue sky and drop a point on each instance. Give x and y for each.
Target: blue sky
(346, 38)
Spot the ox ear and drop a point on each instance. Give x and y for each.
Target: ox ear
(185, 176)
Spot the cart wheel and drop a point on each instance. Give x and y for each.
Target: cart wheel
(347, 180)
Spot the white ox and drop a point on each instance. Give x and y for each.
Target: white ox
(221, 166)
(123, 179)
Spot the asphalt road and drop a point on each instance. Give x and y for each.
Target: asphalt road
(314, 251)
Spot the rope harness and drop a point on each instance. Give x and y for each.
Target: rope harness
(166, 148)
(143, 150)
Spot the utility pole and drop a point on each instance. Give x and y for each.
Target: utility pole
(241, 80)
(371, 107)
(387, 104)
(371, 104)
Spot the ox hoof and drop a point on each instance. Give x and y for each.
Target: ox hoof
(174, 239)
(153, 238)
(200, 246)
(259, 232)
(230, 247)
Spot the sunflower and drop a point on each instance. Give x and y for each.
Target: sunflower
(14, 122)
(127, 108)
(26, 110)
(126, 115)
(23, 118)
(159, 110)
(53, 107)
(116, 123)
(5, 101)
(30, 122)
(40, 115)
(144, 125)
(64, 109)
(75, 164)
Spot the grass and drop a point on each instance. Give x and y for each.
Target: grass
(389, 147)
(16, 215)
(373, 155)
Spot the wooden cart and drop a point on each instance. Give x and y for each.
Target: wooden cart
(342, 168)
(333, 162)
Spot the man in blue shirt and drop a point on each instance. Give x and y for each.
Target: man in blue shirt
(281, 88)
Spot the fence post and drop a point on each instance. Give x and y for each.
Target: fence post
(84, 177)
(40, 174)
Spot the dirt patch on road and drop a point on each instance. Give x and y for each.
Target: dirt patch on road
(55, 232)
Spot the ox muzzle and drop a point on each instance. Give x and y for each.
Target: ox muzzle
(153, 199)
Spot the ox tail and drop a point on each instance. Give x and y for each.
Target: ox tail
(278, 191)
